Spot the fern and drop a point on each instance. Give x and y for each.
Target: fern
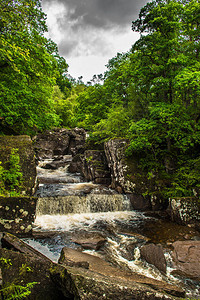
(17, 292)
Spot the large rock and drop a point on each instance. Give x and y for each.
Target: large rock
(90, 243)
(115, 154)
(154, 255)
(59, 142)
(26, 265)
(185, 211)
(100, 280)
(95, 167)
(58, 282)
(11, 242)
(27, 159)
(186, 259)
(128, 177)
(125, 174)
(94, 286)
(17, 215)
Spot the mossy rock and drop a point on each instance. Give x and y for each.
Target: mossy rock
(27, 159)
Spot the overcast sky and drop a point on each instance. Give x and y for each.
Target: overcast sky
(90, 32)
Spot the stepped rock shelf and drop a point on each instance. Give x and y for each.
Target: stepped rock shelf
(86, 238)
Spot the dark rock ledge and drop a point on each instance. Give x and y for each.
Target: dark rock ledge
(97, 280)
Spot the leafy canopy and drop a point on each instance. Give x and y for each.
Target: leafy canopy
(29, 68)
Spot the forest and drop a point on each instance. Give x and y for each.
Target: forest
(149, 95)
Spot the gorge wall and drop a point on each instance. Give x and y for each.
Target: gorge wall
(108, 167)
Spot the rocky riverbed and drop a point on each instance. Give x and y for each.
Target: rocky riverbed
(99, 239)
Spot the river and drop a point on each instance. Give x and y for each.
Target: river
(71, 212)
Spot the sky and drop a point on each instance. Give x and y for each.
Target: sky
(90, 32)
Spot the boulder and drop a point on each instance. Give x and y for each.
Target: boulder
(17, 215)
(128, 177)
(11, 242)
(95, 167)
(76, 164)
(115, 154)
(185, 211)
(139, 202)
(94, 286)
(27, 159)
(186, 259)
(59, 142)
(77, 141)
(154, 255)
(26, 265)
(104, 281)
(90, 243)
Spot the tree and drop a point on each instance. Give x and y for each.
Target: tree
(30, 66)
(151, 95)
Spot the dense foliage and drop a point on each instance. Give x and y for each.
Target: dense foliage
(151, 95)
(29, 68)
(11, 176)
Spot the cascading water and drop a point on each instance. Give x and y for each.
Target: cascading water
(70, 210)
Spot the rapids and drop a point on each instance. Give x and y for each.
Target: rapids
(70, 210)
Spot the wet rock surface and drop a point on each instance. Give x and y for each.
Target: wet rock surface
(87, 278)
(93, 286)
(186, 259)
(185, 211)
(90, 243)
(99, 266)
(154, 255)
(59, 142)
(28, 265)
(95, 167)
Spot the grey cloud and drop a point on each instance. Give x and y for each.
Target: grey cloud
(67, 46)
(84, 44)
(101, 13)
(86, 22)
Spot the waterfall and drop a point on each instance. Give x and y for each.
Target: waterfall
(61, 192)
(82, 204)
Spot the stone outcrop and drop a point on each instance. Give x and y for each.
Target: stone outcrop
(28, 265)
(185, 211)
(92, 165)
(98, 278)
(27, 159)
(186, 259)
(85, 281)
(124, 174)
(59, 142)
(115, 154)
(95, 167)
(154, 255)
(17, 214)
(90, 243)
(94, 286)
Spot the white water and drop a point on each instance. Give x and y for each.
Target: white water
(82, 221)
